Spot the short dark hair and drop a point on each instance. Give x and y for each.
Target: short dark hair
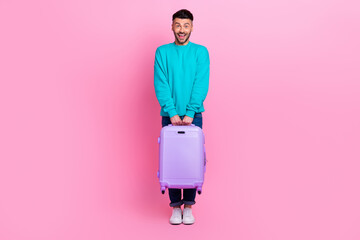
(183, 13)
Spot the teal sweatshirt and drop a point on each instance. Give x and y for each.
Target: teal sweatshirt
(181, 78)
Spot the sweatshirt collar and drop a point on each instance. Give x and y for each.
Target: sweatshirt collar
(182, 46)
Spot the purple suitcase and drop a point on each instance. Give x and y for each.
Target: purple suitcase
(182, 158)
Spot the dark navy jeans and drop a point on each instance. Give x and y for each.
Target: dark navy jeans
(188, 194)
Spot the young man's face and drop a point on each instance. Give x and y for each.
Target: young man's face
(182, 29)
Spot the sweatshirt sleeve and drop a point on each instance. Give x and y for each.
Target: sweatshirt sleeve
(201, 83)
(162, 88)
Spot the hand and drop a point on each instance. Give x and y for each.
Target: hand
(187, 120)
(176, 120)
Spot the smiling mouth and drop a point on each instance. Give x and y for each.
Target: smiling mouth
(181, 36)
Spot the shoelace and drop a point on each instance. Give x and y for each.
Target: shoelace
(177, 213)
(187, 213)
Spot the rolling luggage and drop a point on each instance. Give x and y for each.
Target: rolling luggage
(182, 157)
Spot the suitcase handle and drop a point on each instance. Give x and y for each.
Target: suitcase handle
(181, 125)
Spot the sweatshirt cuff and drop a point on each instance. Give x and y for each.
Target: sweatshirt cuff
(172, 113)
(190, 113)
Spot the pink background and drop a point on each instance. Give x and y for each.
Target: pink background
(80, 120)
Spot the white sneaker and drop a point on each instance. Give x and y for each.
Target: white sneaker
(188, 218)
(176, 217)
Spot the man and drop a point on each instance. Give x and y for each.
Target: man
(181, 81)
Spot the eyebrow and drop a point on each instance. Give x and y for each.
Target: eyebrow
(184, 24)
